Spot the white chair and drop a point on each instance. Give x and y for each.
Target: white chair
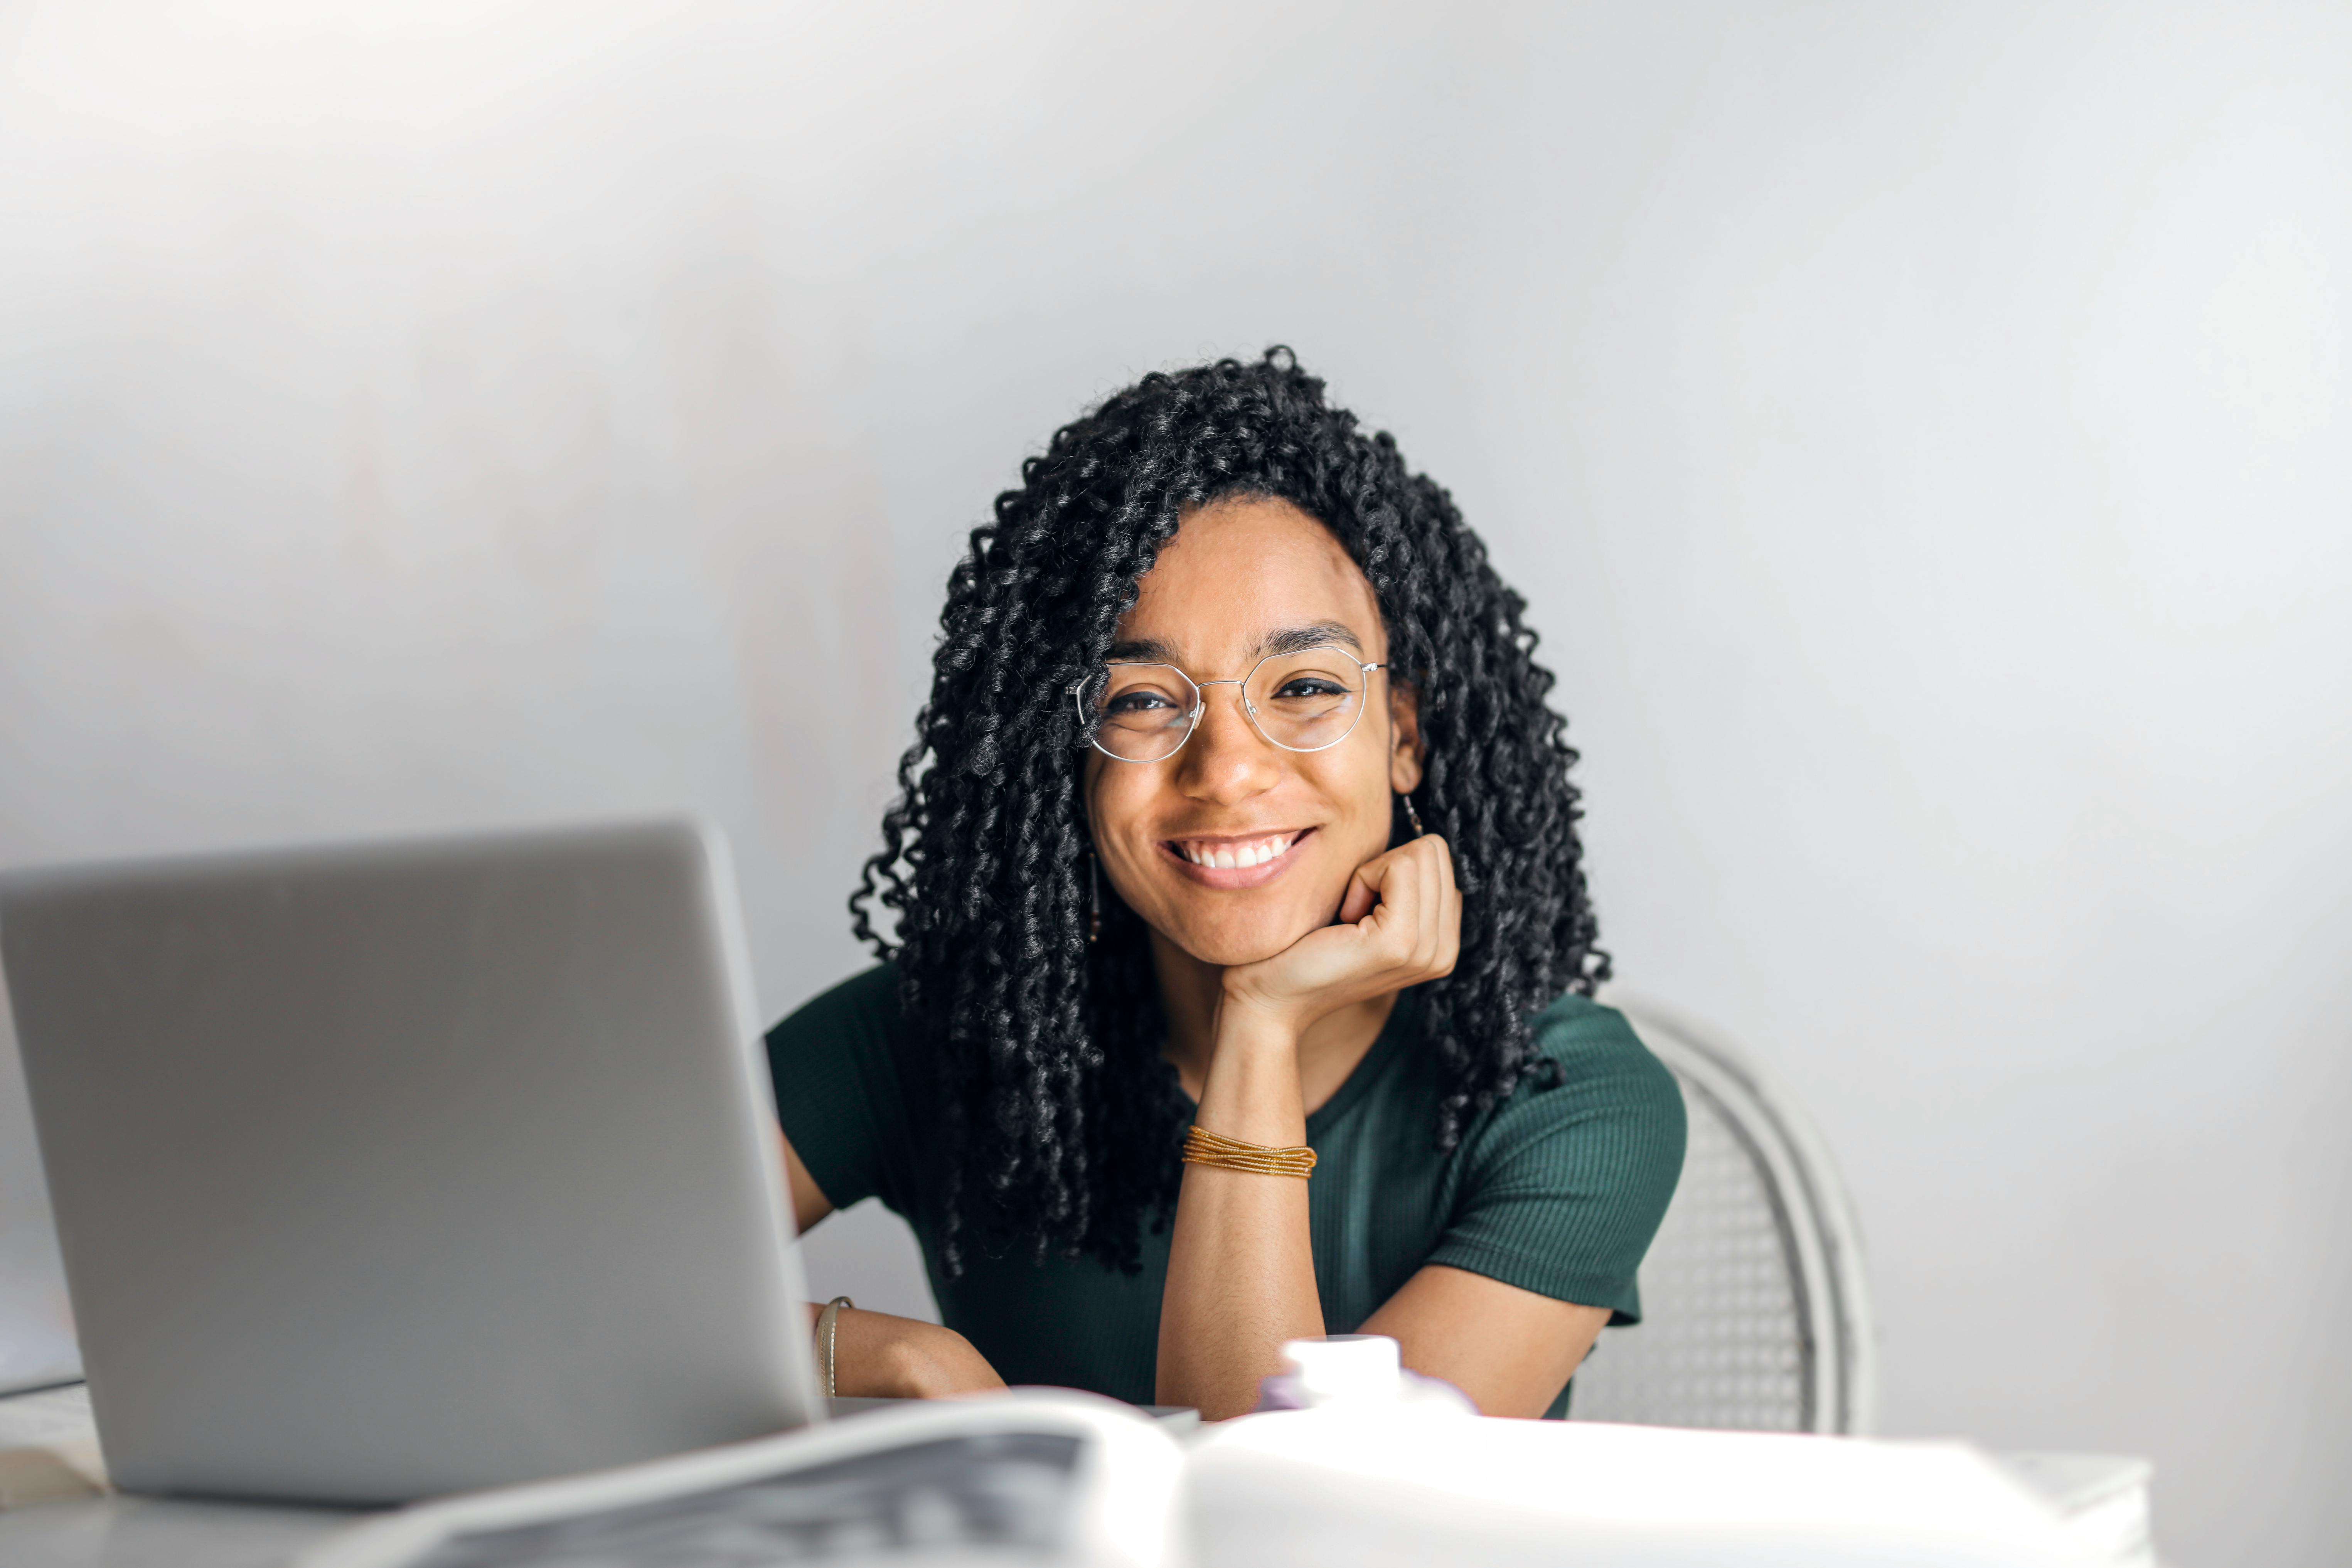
(1755, 1308)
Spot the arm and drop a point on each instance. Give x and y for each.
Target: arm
(1509, 1349)
(876, 1353)
(1563, 1190)
(1241, 1273)
(1241, 1268)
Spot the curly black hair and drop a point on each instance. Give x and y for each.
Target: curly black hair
(1059, 1107)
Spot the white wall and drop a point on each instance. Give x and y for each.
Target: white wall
(1922, 431)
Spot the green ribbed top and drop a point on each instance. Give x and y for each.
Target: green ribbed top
(1557, 1191)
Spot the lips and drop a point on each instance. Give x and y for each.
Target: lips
(1232, 862)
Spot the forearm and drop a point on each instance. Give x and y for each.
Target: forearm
(876, 1355)
(1241, 1269)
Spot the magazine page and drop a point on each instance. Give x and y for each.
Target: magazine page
(1032, 1475)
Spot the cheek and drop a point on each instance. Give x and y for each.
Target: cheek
(1118, 811)
(1357, 788)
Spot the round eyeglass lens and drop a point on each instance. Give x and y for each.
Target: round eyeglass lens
(1139, 712)
(1307, 700)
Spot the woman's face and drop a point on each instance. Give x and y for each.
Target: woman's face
(1237, 575)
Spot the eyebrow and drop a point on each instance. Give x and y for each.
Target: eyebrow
(1289, 640)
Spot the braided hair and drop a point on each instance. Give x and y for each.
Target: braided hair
(1063, 1121)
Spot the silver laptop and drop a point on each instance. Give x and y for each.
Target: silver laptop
(387, 1171)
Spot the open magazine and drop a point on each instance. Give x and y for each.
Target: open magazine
(1038, 1476)
(1026, 1477)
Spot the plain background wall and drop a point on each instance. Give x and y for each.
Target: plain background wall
(1921, 432)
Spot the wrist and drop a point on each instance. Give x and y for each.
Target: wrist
(1256, 1025)
(907, 1368)
(934, 1363)
(1252, 1090)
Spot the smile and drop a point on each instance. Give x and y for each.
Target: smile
(1227, 853)
(1235, 861)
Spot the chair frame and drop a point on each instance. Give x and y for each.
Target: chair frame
(1818, 1231)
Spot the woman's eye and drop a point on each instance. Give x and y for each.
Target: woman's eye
(1309, 685)
(1137, 702)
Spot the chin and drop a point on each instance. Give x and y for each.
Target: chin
(1227, 955)
(1231, 945)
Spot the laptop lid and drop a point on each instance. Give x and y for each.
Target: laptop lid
(391, 1170)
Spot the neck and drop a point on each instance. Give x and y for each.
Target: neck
(1191, 994)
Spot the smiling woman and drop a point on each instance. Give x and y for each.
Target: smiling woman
(1241, 984)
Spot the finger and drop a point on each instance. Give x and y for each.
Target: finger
(1438, 932)
(1449, 950)
(1443, 853)
(1413, 889)
(1449, 915)
(1371, 877)
(1449, 900)
(1430, 868)
(1359, 899)
(1394, 925)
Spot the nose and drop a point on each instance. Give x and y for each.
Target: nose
(1226, 760)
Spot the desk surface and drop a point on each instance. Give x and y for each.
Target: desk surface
(153, 1532)
(2106, 1498)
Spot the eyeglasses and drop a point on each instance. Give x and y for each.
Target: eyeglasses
(1304, 700)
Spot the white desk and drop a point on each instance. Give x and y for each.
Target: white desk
(125, 1531)
(2105, 1501)
(146, 1533)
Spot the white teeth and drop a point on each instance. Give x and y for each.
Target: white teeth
(1237, 857)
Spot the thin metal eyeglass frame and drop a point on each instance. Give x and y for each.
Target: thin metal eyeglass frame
(1201, 690)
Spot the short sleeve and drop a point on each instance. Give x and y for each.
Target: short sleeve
(1563, 1187)
(838, 1092)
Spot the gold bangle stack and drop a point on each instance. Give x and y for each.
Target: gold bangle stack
(1203, 1147)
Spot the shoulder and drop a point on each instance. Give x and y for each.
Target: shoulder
(1614, 1106)
(1595, 1043)
(865, 1003)
(1564, 1183)
(848, 1094)
(856, 1032)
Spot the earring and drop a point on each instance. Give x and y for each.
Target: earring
(1412, 816)
(1094, 897)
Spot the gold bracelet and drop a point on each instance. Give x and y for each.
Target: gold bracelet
(1203, 1147)
(826, 1322)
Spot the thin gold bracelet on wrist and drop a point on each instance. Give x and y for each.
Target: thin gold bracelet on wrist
(1203, 1147)
(828, 1321)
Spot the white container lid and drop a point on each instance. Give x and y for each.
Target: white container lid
(1348, 1368)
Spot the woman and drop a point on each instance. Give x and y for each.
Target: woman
(1237, 825)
